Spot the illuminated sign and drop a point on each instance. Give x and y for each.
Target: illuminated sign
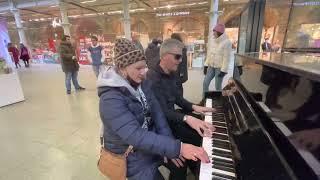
(173, 14)
(310, 3)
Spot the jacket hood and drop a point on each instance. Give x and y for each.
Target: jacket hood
(109, 79)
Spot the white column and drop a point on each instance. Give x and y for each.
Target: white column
(126, 19)
(19, 26)
(64, 18)
(214, 14)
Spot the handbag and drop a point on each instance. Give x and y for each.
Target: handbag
(112, 165)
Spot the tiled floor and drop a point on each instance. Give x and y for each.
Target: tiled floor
(54, 136)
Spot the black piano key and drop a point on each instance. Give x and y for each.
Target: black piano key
(214, 119)
(219, 124)
(220, 136)
(223, 176)
(229, 165)
(223, 168)
(221, 144)
(221, 130)
(221, 160)
(221, 153)
(218, 178)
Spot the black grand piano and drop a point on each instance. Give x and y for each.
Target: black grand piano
(267, 121)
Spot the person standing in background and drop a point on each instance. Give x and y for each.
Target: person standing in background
(15, 54)
(266, 45)
(95, 55)
(135, 40)
(182, 72)
(24, 55)
(153, 53)
(218, 59)
(69, 63)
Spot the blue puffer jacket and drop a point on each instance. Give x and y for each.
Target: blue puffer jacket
(122, 116)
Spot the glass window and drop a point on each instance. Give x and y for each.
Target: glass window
(304, 25)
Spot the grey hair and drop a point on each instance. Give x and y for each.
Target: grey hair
(168, 45)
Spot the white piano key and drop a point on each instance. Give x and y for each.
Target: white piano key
(208, 102)
(218, 177)
(208, 119)
(220, 126)
(220, 133)
(221, 149)
(218, 171)
(219, 122)
(205, 171)
(223, 158)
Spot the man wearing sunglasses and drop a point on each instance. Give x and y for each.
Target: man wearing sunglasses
(184, 125)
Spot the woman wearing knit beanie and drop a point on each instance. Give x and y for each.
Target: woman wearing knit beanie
(132, 116)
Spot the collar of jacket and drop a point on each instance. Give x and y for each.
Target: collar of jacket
(221, 38)
(159, 69)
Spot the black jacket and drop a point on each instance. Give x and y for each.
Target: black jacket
(166, 91)
(183, 67)
(153, 55)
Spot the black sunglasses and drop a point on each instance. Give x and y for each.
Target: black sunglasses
(176, 56)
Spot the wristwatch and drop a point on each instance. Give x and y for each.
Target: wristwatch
(185, 118)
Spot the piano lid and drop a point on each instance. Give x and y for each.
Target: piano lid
(301, 64)
(290, 88)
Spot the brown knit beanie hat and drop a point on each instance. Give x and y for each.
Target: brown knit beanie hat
(125, 53)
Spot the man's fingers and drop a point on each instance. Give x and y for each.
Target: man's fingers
(199, 131)
(202, 156)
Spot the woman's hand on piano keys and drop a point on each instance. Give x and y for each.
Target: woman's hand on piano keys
(203, 128)
(189, 151)
(202, 110)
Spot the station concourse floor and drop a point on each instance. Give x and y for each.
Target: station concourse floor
(55, 136)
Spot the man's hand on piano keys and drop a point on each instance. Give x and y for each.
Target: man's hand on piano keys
(191, 152)
(203, 128)
(202, 110)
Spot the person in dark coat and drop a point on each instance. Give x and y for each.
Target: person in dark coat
(182, 72)
(15, 54)
(152, 53)
(184, 125)
(131, 115)
(69, 64)
(24, 54)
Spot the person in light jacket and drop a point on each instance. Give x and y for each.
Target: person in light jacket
(218, 58)
(131, 115)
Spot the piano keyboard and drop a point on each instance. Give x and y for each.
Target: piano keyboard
(218, 148)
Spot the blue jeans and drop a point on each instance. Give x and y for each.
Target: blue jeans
(74, 77)
(96, 69)
(211, 73)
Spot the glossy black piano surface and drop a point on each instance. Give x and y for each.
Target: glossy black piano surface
(275, 110)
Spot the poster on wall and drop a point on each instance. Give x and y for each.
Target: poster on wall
(82, 50)
(85, 42)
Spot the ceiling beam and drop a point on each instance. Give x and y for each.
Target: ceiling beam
(34, 11)
(81, 6)
(144, 3)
